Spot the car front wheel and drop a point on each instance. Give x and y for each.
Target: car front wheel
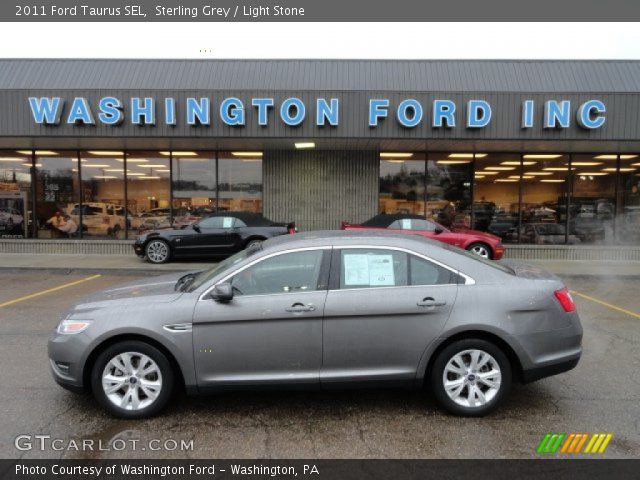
(132, 379)
(157, 251)
(471, 377)
(480, 249)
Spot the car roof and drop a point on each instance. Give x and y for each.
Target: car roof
(348, 237)
(250, 218)
(385, 219)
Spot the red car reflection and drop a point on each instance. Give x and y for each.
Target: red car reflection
(480, 243)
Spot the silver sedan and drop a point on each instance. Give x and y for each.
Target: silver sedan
(323, 310)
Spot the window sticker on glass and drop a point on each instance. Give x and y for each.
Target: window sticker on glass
(406, 224)
(372, 270)
(227, 222)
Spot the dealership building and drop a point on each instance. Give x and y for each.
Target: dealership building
(540, 153)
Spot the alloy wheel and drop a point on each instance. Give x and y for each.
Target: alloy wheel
(472, 378)
(132, 381)
(157, 251)
(480, 250)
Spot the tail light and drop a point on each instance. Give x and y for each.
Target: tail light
(564, 297)
(291, 228)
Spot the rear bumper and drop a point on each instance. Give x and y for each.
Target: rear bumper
(538, 373)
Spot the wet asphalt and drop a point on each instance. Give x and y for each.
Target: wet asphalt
(601, 395)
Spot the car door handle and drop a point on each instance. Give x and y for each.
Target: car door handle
(300, 307)
(430, 302)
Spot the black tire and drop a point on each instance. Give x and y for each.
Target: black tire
(436, 379)
(253, 242)
(166, 372)
(157, 244)
(481, 246)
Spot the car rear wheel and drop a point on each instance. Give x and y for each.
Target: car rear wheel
(481, 250)
(254, 243)
(157, 251)
(132, 379)
(471, 377)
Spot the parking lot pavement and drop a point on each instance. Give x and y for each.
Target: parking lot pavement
(601, 395)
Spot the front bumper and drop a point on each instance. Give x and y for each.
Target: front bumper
(138, 248)
(498, 252)
(66, 360)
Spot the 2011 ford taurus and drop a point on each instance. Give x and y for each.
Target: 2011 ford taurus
(323, 310)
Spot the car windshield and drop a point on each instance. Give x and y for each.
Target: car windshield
(206, 275)
(491, 263)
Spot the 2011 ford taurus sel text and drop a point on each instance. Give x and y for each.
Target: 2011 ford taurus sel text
(323, 310)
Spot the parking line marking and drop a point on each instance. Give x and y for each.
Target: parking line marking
(50, 290)
(613, 307)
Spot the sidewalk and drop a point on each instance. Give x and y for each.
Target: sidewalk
(132, 264)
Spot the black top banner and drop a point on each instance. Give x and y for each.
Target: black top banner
(323, 11)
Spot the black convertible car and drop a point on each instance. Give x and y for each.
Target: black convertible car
(218, 235)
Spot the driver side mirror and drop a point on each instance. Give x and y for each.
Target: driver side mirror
(223, 293)
(438, 230)
(196, 227)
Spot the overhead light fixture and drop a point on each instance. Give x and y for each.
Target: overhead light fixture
(106, 153)
(594, 174)
(150, 177)
(151, 165)
(246, 154)
(500, 169)
(396, 155)
(302, 145)
(516, 163)
(135, 174)
(180, 154)
(134, 160)
(585, 164)
(551, 180)
(482, 172)
(96, 165)
(11, 159)
(395, 161)
(538, 173)
(558, 169)
(38, 152)
(614, 157)
(104, 177)
(117, 170)
(467, 155)
(635, 164)
(479, 176)
(452, 162)
(505, 180)
(524, 177)
(622, 169)
(28, 164)
(542, 156)
(164, 170)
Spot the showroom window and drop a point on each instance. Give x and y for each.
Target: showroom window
(402, 183)
(148, 191)
(627, 220)
(194, 185)
(449, 177)
(103, 194)
(57, 194)
(593, 198)
(496, 194)
(15, 194)
(545, 181)
(240, 181)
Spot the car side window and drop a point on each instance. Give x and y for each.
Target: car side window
(239, 223)
(217, 222)
(287, 273)
(369, 268)
(424, 272)
(413, 224)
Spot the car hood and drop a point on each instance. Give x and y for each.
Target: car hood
(477, 233)
(155, 289)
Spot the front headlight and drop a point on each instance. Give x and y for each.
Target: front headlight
(73, 326)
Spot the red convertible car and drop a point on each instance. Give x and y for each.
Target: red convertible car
(481, 243)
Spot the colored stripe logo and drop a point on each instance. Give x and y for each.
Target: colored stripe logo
(569, 443)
